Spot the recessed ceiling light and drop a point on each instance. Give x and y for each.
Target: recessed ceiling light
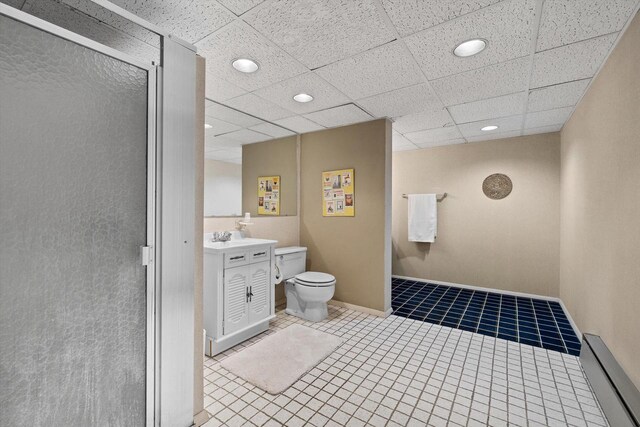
(303, 97)
(488, 128)
(470, 48)
(245, 65)
(207, 126)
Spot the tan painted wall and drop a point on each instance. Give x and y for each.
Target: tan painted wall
(600, 212)
(198, 383)
(284, 229)
(275, 157)
(510, 244)
(350, 248)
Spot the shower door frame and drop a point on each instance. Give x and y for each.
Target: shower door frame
(149, 254)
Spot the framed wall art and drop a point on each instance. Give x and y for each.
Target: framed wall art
(269, 195)
(338, 193)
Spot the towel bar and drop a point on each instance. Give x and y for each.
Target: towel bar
(439, 196)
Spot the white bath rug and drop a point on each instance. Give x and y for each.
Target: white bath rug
(277, 361)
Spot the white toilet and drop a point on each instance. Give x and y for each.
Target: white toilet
(307, 292)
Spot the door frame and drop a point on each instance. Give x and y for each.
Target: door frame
(156, 143)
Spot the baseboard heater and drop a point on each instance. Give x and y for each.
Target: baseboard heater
(617, 395)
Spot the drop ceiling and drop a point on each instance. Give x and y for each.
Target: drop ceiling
(369, 59)
(228, 129)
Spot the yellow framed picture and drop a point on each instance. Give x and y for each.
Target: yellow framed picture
(338, 195)
(269, 195)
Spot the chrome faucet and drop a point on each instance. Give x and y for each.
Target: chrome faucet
(218, 236)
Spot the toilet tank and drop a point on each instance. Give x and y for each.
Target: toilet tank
(290, 261)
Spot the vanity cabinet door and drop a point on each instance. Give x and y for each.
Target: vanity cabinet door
(259, 306)
(236, 286)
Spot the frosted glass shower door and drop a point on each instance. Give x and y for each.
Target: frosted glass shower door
(73, 214)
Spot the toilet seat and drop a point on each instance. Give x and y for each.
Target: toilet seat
(315, 279)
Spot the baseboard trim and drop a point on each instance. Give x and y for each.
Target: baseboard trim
(201, 418)
(499, 291)
(573, 324)
(361, 309)
(479, 288)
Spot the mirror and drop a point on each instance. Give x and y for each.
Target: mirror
(238, 149)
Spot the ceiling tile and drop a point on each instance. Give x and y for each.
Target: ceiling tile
(260, 107)
(239, 40)
(230, 115)
(572, 62)
(319, 33)
(544, 129)
(219, 127)
(395, 147)
(490, 137)
(339, 116)
(431, 136)
(226, 154)
(548, 118)
(240, 6)
(212, 156)
(324, 95)
(219, 142)
(493, 80)
(556, 96)
(400, 102)
(441, 143)
(272, 130)
(564, 22)
(78, 22)
(14, 3)
(507, 26)
(190, 20)
(400, 143)
(423, 120)
(231, 153)
(501, 106)
(220, 90)
(299, 124)
(369, 73)
(114, 20)
(246, 136)
(227, 151)
(410, 16)
(505, 124)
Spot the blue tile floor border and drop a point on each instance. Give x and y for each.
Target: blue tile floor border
(536, 322)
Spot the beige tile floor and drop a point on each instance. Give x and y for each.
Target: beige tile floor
(403, 372)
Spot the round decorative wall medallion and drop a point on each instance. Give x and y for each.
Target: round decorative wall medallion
(497, 186)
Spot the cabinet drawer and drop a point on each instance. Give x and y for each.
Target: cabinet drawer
(234, 259)
(258, 255)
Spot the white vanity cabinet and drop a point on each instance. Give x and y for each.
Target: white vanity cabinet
(246, 296)
(238, 294)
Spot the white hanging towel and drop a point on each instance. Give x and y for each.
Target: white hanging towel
(423, 218)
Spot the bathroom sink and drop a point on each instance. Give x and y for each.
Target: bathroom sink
(236, 243)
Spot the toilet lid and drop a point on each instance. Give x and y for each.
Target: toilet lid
(315, 278)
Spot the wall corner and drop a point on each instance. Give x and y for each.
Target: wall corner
(388, 164)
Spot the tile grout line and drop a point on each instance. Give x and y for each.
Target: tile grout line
(424, 299)
(518, 302)
(555, 321)
(407, 291)
(449, 308)
(464, 311)
(484, 303)
(392, 351)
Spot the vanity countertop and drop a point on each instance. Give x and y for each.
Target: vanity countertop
(210, 246)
